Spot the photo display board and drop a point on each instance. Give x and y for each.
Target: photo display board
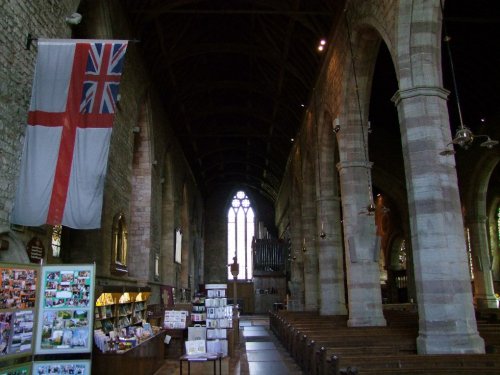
(18, 304)
(65, 314)
(20, 369)
(76, 367)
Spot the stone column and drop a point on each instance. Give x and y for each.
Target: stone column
(484, 293)
(363, 276)
(447, 322)
(330, 258)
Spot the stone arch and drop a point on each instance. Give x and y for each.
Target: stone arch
(476, 195)
(494, 241)
(398, 285)
(418, 51)
(362, 268)
(477, 211)
(425, 131)
(119, 244)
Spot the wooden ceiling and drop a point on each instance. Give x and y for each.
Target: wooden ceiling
(235, 78)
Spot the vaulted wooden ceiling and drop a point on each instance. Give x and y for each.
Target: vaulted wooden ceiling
(235, 77)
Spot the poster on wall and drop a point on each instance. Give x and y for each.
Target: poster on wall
(17, 309)
(21, 369)
(73, 367)
(65, 314)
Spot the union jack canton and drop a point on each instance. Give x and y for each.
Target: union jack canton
(102, 78)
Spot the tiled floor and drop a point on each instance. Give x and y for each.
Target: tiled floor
(258, 353)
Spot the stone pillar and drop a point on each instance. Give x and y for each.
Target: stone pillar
(484, 293)
(330, 258)
(447, 322)
(363, 276)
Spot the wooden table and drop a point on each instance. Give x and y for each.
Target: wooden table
(213, 357)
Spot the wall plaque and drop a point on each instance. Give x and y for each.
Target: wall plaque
(35, 250)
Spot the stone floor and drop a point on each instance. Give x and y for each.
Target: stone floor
(258, 353)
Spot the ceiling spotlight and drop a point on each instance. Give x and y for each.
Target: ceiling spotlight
(321, 45)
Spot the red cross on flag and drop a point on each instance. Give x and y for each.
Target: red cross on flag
(73, 101)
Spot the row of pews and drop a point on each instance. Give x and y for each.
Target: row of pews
(324, 345)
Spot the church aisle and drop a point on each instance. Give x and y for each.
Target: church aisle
(258, 353)
(262, 351)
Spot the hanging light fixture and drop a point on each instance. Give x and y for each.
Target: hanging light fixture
(369, 210)
(463, 136)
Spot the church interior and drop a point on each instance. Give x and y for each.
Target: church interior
(323, 174)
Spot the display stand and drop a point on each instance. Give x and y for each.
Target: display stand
(219, 318)
(18, 303)
(175, 323)
(63, 341)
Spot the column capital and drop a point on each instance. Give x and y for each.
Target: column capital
(420, 91)
(354, 164)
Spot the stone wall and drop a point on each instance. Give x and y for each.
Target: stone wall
(100, 20)
(17, 20)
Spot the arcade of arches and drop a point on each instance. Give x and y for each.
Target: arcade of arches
(368, 211)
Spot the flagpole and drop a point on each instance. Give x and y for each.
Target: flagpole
(30, 39)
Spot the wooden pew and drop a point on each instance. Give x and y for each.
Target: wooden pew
(386, 341)
(420, 364)
(306, 332)
(325, 345)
